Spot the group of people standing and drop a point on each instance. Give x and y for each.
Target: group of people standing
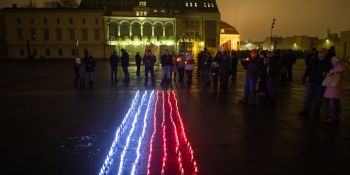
(264, 69)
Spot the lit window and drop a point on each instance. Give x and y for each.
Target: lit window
(186, 4)
(190, 4)
(212, 4)
(163, 11)
(137, 13)
(155, 11)
(204, 4)
(195, 4)
(145, 13)
(142, 3)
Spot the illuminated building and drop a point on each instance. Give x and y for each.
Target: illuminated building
(104, 26)
(229, 33)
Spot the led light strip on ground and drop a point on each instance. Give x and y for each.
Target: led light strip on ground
(110, 157)
(151, 145)
(126, 147)
(141, 140)
(153, 120)
(177, 151)
(185, 144)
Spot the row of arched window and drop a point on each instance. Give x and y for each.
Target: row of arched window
(141, 29)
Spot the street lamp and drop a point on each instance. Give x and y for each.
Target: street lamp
(272, 26)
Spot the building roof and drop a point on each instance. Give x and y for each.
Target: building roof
(176, 5)
(228, 29)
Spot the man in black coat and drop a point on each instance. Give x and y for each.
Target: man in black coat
(90, 64)
(125, 64)
(138, 63)
(315, 73)
(114, 60)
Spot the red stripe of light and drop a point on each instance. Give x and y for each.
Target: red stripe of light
(164, 137)
(185, 144)
(177, 151)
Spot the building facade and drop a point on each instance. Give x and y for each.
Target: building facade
(54, 33)
(101, 27)
(229, 33)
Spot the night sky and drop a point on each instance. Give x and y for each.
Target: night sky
(253, 18)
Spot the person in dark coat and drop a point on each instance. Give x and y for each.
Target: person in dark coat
(215, 70)
(272, 74)
(90, 64)
(290, 63)
(138, 61)
(262, 88)
(149, 60)
(315, 73)
(207, 65)
(76, 66)
(234, 62)
(252, 65)
(125, 64)
(200, 58)
(113, 61)
(225, 70)
(166, 60)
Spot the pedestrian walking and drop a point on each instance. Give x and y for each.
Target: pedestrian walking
(290, 63)
(234, 62)
(225, 69)
(173, 67)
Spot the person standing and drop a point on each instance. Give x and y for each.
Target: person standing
(181, 61)
(253, 68)
(200, 61)
(215, 69)
(138, 63)
(113, 61)
(234, 62)
(173, 67)
(207, 65)
(315, 73)
(189, 67)
(290, 63)
(333, 91)
(272, 74)
(79, 70)
(148, 61)
(165, 60)
(90, 64)
(225, 69)
(125, 64)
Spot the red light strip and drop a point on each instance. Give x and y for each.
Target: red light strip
(185, 143)
(164, 136)
(178, 153)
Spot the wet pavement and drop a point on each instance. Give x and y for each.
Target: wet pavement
(50, 127)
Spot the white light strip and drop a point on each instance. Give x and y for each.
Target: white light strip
(147, 114)
(130, 134)
(109, 159)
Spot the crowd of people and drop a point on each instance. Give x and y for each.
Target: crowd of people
(264, 69)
